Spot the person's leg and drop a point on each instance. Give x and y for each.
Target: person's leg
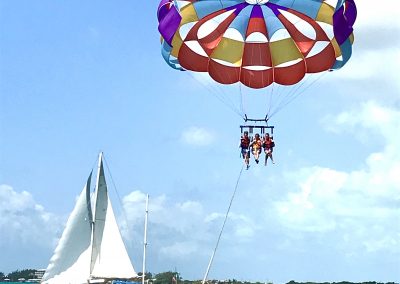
(266, 157)
(270, 155)
(256, 154)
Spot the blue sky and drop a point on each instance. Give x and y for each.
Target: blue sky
(79, 77)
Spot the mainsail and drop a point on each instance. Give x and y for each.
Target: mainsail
(91, 246)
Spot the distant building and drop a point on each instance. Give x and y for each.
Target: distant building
(39, 273)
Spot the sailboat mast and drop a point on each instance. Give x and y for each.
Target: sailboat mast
(98, 178)
(94, 209)
(145, 239)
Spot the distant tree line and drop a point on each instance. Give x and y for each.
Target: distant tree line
(174, 278)
(342, 282)
(15, 275)
(170, 277)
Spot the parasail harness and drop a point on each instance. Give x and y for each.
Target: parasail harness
(250, 127)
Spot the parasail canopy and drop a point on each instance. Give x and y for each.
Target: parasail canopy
(257, 42)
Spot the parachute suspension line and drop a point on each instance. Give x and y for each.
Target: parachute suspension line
(226, 96)
(290, 94)
(297, 94)
(212, 90)
(271, 91)
(242, 107)
(300, 90)
(223, 226)
(217, 94)
(276, 96)
(271, 94)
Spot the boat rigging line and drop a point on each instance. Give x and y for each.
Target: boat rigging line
(223, 226)
(145, 239)
(116, 191)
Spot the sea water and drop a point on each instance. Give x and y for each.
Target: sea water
(114, 282)
(24, 282)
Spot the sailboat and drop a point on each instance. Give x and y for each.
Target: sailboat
(91, 249)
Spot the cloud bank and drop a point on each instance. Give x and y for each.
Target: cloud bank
(362, 206)
(22, 220)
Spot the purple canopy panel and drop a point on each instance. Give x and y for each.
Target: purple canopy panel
(343, 21)
(238, 7)
(256, 12)
(168, 21)
(163, 9)
(351, 12)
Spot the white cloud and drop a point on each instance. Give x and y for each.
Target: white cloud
(369, 16)
(240, 225)
(304, 210)
(179, 249)
(171, 224)
(380, 65)
(376, 52)
(191, 207)
(244, 227)
(376, 120)
(28, 232)
(366, 201)
(197, 136)
(134, 204)
(179, 230)
(22, 220)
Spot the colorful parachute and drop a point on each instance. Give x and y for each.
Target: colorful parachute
(256, 42)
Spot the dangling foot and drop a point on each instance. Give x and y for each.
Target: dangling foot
(247, 167)
(257, 161)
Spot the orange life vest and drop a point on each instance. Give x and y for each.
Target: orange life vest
(244, 142)
(268, 143)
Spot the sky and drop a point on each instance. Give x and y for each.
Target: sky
(80, 77)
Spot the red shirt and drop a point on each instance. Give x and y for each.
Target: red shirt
(244, 142)
(268, 143)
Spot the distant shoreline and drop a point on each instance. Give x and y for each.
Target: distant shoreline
(2, 282)
(17, 282)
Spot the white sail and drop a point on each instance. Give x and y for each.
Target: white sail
(110, 259)
(90, 248)
(70, 262)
